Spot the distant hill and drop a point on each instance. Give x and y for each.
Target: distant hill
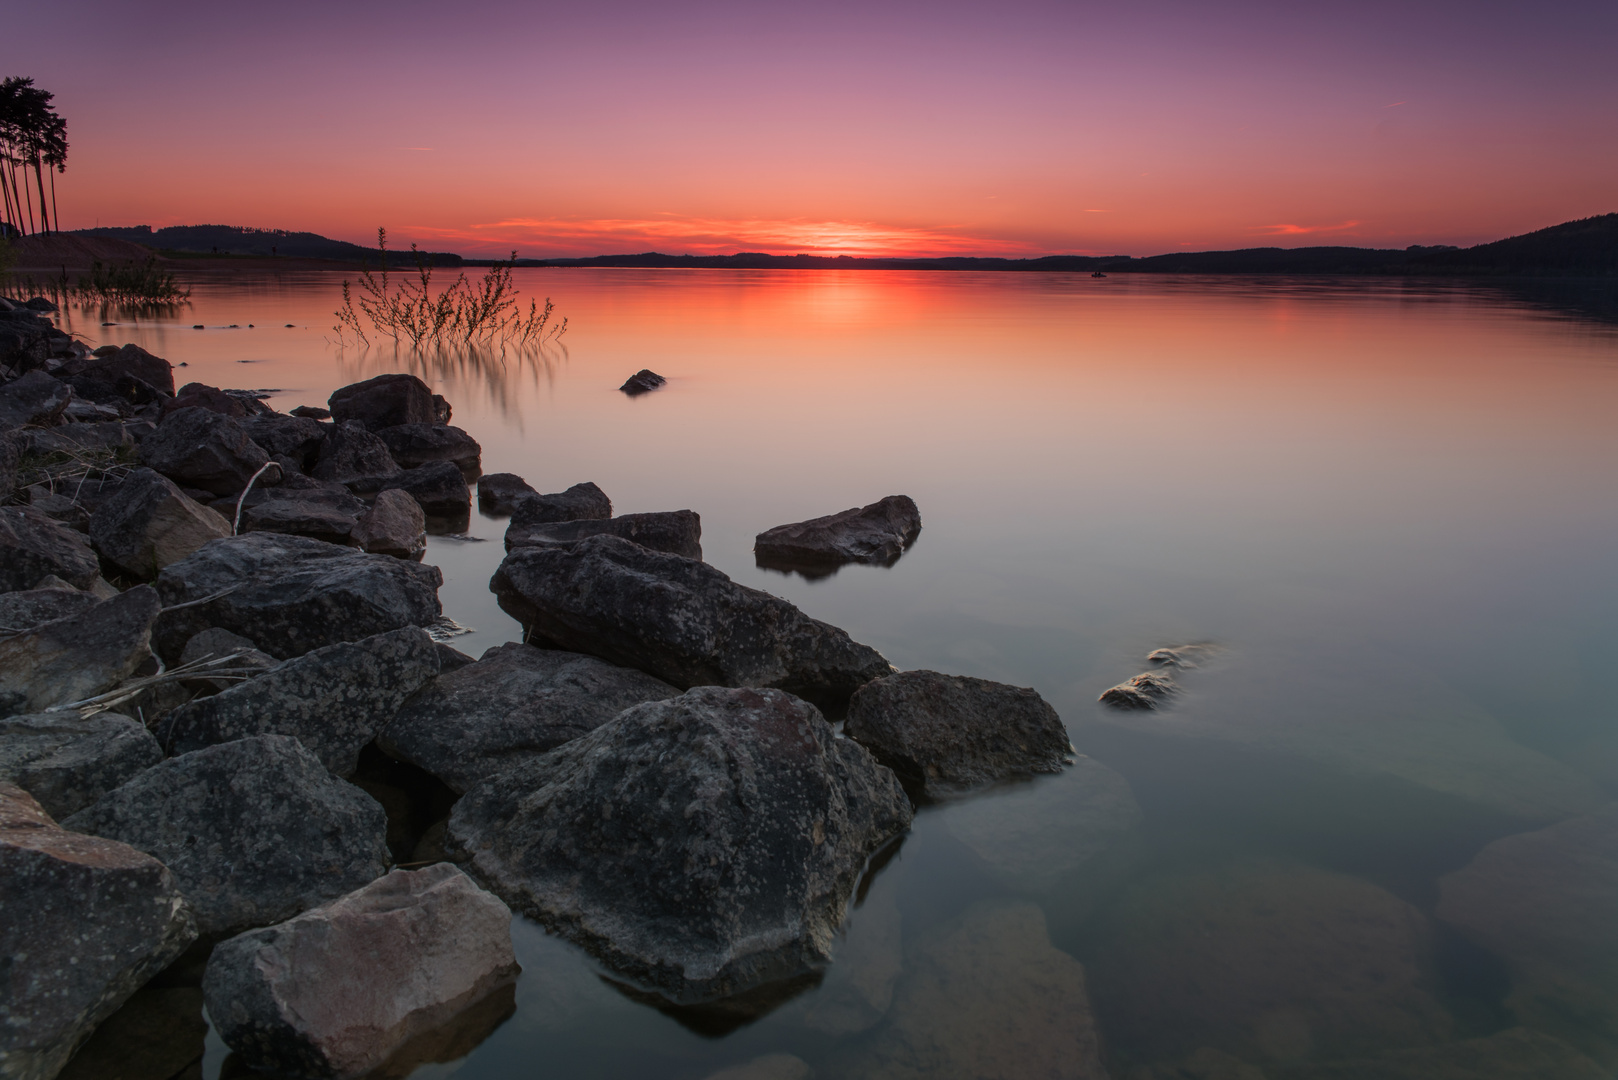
(53, 252)
(240, 240)
(1586, 248)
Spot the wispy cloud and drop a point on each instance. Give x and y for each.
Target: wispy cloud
(1304, 230)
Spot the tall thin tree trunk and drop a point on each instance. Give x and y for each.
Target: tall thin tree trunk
(10, 168)
(33, 226)
(56, 215)
(5, 189)
(39, 182)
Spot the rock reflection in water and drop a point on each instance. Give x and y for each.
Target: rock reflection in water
(157, 1034)
(718, 1018)
(502, 372)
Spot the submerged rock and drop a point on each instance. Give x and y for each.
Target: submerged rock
(337, 990)
(581, 502)
(701, 845)
(417, 444)
(291, 594)
(1545, 902)
(68, 762)
(679, 619)
(678, 532)
(513, 705)
(858, 988)
(36, 398)
(197, 448)
(1513, 1054)
(395, 524)
(498, 493)
(77, 657)
(385, 401)
(642, 381)
(150, 523)
(254, 830)
(1144, 691)
(950, 733)
(878, 533)
(333, 699)
(84, 922)
(33, 546)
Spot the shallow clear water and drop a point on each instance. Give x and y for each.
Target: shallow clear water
(1391, 505)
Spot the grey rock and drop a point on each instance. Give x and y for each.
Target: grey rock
(67, 761)
(395, 524)
(202, 449)
(430, 943)
(642, 381)
(1144, 691)
(293, 437)
(679, 619)
(1187, 657)
(60, 508)
(700, 845)
(84, 922)
(254, 830)
(950, 733)
(11, 449)
(39, 303)
(238, 655)
(442, 411)
(678, 532)
(498, 493)
(333, 699)
(513, 705)
(291, 594)
(36, 398)
(578, 503)
(417, 444)
(33, 546)
(23, 344)
(76, 438)
(326, 513)
(311, 412)
(385, 401)
(131, 361)
(150, 523)
(79, 656)
(438, 486)
(54, 599)
(214, 642)
(87, 412)
(200, 396)
(349, 452)
(878, 533)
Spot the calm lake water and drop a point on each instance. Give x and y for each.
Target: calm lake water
(1390, 504)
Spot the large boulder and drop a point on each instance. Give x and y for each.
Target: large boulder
(80, 656)
(131, 361)
(68, 762)
(498, 493)
(1275, 963)
(678, 532)
(198, 448)
(84, 923)
(438, 486)
(1545, 902)
(254, 830)
(326, 512)
(947, 734)
(700, 845)
(333, 699)
(385, 401)
(337, 990)
(350, 453)
(52, 599)
(513, 705)
(291, 594)
(580, 502)
(201, 396)
(293, 438)
(394, 524)
(417, 444)
(36, 398)
(679, 619)
(878, 533)
(151, 523)
(33, 546)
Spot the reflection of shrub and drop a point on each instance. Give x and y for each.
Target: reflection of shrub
(468, 313)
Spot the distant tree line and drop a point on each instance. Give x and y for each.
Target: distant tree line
(33, 137)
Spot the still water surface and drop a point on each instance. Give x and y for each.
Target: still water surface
(1390, 504)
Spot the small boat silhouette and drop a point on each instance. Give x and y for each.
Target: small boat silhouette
(1098, 273)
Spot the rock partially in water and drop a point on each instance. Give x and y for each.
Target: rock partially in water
(311, 412)
(351, 454)
(701, 845)
(36, 398)
(338, 990)
(438, 486)
(33, 546)
(84, 923)
(291, 594)
(1545, 902)
(679, 619)
(77, 657)
(68, 762)
(197, 448)
(385, 401)
(642, 381)
(254, 830)
(947, 734)
(989, 996)
(1275, 963)
(201, 396)
(878, 533)
(1034, 836)
(52, 599)
(418, 444)
(513, 705)
(150, 523)
(1513, 1054)
(498, 493)
(394, 524)
(1147, 690)
(678, 532)
(333, 699)
(1188, 657)
(581, 502)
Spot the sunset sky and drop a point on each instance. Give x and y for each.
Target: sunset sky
(870, 128)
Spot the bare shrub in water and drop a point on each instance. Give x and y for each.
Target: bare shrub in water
(485, 312)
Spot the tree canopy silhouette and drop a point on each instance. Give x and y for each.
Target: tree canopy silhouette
(32, 136)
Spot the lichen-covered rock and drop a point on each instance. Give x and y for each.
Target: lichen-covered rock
(77, 657)
(254, 830)
(951, 733)
(417, 444)
(700, 845)
(84, 922)
(68, 762)
(394, 524)
(36, 398)
(678, 532)
(291, 594)
(498, 493)
(52, 599)
(333, 699)
(151, 523)
(326, 513)
(33, 546)
(581, 502)
(337, 990)
(350, 453)
(679, 619)
(198, 448)
(878, 533)
(513, 705)
(386, 401)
